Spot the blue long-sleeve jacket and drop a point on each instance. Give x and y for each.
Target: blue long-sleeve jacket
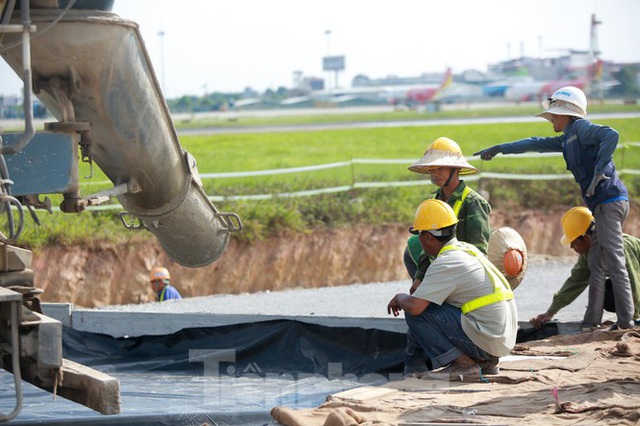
(588, 150)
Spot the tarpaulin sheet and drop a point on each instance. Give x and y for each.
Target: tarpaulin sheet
(224, 375)
(281, 346)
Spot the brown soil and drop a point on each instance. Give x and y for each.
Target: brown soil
(583, 378)
(106, 274)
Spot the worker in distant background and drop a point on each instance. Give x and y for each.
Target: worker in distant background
(463, 313)
(444, 163)
(588, 151)
(161, 283)
(578, 226)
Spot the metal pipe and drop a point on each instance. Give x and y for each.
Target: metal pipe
(29, 128)
(15, 360)
(8, 11)
(113, 86)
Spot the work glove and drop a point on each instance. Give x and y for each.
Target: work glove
(594, 182)
(488, 153)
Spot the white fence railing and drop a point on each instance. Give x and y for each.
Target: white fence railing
(361, 184)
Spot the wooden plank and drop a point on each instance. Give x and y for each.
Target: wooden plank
(364, 393)
(90, 387)
(14, 258)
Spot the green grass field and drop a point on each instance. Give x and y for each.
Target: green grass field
(259, 151)
(264, 151)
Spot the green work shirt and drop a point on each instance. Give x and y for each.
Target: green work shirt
(473, 223)
(580, 274)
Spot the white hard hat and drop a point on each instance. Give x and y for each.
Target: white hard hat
(568, 100)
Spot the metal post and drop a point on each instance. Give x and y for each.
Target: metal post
(164, 87)
(14, 300)
(328, 34)
(29, 128)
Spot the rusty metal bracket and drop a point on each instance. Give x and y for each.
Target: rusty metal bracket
(131, 187)
(231, 220)
(128, 220)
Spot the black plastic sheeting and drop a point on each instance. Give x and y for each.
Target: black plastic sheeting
(230, 375)
(274, 346)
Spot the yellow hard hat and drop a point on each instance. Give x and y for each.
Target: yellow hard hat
(159, 273)
(443, 152)
(434, 216)
(575, 222)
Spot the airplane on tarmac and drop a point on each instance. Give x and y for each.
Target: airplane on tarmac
(540, 90)
(422, 95)
(392, 94)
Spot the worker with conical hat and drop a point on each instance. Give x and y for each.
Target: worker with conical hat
(444, 163)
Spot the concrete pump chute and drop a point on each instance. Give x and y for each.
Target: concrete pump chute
(93, 73)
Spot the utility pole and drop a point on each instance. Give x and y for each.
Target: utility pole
(595, 70)
(162, 76)
(328, 34)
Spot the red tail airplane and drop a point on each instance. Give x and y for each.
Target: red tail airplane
(422, 95)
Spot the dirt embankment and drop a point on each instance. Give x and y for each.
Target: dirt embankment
(108, 275)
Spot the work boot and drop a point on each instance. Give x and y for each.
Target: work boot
(455, 372)
(490, 366)
(414, 362)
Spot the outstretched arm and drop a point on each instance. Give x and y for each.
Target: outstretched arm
(573, 286)
(534, 144)
(488, 153)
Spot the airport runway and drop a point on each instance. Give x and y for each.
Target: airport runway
(420, 120)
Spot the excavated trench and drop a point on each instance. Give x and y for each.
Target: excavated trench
(108, 274)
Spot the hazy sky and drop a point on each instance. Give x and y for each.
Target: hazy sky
(226, 46)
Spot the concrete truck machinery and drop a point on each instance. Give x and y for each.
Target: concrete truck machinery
(91, 70)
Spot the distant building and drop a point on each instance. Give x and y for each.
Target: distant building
(10, 106)
(575, 64)
(248, 93)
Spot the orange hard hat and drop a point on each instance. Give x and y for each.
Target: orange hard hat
(159, 273)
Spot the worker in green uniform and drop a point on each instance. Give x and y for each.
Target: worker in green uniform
(444, 162)
(578, 226)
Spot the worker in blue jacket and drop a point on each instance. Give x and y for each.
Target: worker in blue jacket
(161, 283)
(588, 151)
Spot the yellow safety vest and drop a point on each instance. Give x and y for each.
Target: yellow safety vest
(501, 288)
(458, 204)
